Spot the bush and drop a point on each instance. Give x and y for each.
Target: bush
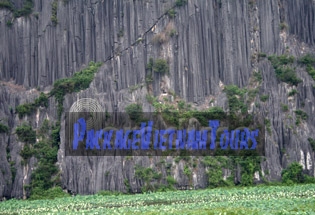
(214, 113)
(171, 13)
(80, 81)
(285, 107)
(25, 10)
(150, 64)
(43, 150)
(29, 108)
(147, 175)
(311, 71)
(26, 152)
(187, 171)
(293, 92)
(44, 129)
(264, 98)
(161, 66)
(235, 98)
(55, 134)
(6, 4)
(283, 71)
(312, 143)
(3, 128)
(307, 59)
(268, 125)
(42, 100)
(258, 76)
(277, 61)
(301, 114)
(215, 173)
(26, 134)
(181, 105)
(41, 178)
(143, 173)
(13, 171)
(309, 179)
(287, 75)
(164, 188)
(24, 109)
(134, 111)
(9, 23)
(293, 174)
(180, 3)
(232, 90)
(170, 115)
(171, 181)
(252, 94)
(52, 193)
(249, 166)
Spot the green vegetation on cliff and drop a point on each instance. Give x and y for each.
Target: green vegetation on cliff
(3, 128)
(284, 70)
(24, 11)
(79, 81)
(29, 108)
(45, 179)
(26, 134)
(309, 61)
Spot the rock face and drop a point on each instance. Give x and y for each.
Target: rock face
(208, 44)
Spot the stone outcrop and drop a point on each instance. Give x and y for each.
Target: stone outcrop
(208, 44)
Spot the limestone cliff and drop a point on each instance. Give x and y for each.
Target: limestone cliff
(208, 44)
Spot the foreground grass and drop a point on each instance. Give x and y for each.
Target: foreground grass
(297, 199)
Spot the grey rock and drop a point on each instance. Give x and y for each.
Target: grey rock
(214, 42)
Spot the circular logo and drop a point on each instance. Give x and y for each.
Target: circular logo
(89, 109)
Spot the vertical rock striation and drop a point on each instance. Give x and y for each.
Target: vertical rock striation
(206, 43)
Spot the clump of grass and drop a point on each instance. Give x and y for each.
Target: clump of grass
(264, 98)
(293, 92)
(284, 107)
